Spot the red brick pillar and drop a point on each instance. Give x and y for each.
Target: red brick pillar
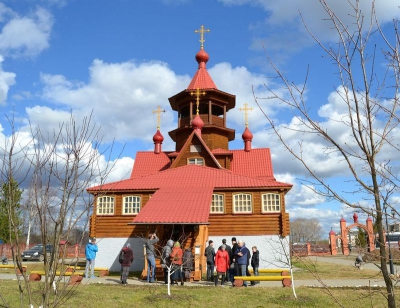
(332, 242)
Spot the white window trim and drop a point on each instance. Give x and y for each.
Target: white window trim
(223, 204)
(123, 204)
(111, 200)
(234, 203)
(196, 160)
(264, 198)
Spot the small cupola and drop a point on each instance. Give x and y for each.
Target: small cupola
(197, 124)
(247, 137)
(158, 140)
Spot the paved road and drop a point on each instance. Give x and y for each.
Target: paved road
(342, 260)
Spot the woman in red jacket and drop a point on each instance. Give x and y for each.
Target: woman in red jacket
(176, 260)
(221, 264)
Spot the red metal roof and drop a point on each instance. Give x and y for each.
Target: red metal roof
(202, 80)
(190, 176)
(148, 163)
(177, 205)
(256, 163)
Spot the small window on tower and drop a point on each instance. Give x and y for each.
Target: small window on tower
(196, 161)
(194, 148)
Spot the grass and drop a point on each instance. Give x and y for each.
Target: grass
(306, 269)
(99, 295)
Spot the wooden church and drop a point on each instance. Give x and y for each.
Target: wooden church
(203, 190)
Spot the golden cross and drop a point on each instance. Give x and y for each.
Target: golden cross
(201, 31)
(198, 93)
(246, 109)
(158, 111)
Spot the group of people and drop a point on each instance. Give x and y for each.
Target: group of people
(174, 260)
(227, 261)
(230, 261)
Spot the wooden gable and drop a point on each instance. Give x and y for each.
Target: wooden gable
(195, 147)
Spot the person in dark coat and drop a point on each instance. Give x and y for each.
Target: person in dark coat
(233, 270)
(210, 257)
(255, 263)
(187, 263)
(241, 256)
(166, 260)
(127, 259)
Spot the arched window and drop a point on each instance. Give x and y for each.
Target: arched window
(105, 205)
(271, 203)
(242, 203)
(217, 204)
(131, 205)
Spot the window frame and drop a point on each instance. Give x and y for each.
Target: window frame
(196, 158)
(223, 203)
(123, 204)
(264, 198)
(103, 207)
(234, 203)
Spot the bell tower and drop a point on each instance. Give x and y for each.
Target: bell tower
(204, 99)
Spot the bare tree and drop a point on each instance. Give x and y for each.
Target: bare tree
(59, 165)
(303, 230)
(369, 92)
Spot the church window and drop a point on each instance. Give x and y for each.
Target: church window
(131, 205)
(217, 203)
(242, 203)
(271, 203)
(105, 205)
(196, 161)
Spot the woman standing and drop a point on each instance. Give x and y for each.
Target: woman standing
(176, 260)
(221, 264)
(127, 259)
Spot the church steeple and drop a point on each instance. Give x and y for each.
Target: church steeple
(207, 112)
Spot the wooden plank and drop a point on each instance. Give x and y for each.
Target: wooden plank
(262, 278)
(271, 270)
(10, 266)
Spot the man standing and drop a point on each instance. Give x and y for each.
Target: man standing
(241, 256)
(233, 270)
(90, 253)
(210, 255)
(127, 259)
(151, 259)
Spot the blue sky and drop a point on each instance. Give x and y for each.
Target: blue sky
(122, 58)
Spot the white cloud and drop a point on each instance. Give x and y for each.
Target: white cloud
(282, 30)
(25, 35)
(7, 79)
(121, 95)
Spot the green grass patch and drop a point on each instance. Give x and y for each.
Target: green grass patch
(308, 269)
(100, 295)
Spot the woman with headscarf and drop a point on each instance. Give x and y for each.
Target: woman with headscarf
(126, 257)
(176, 260)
